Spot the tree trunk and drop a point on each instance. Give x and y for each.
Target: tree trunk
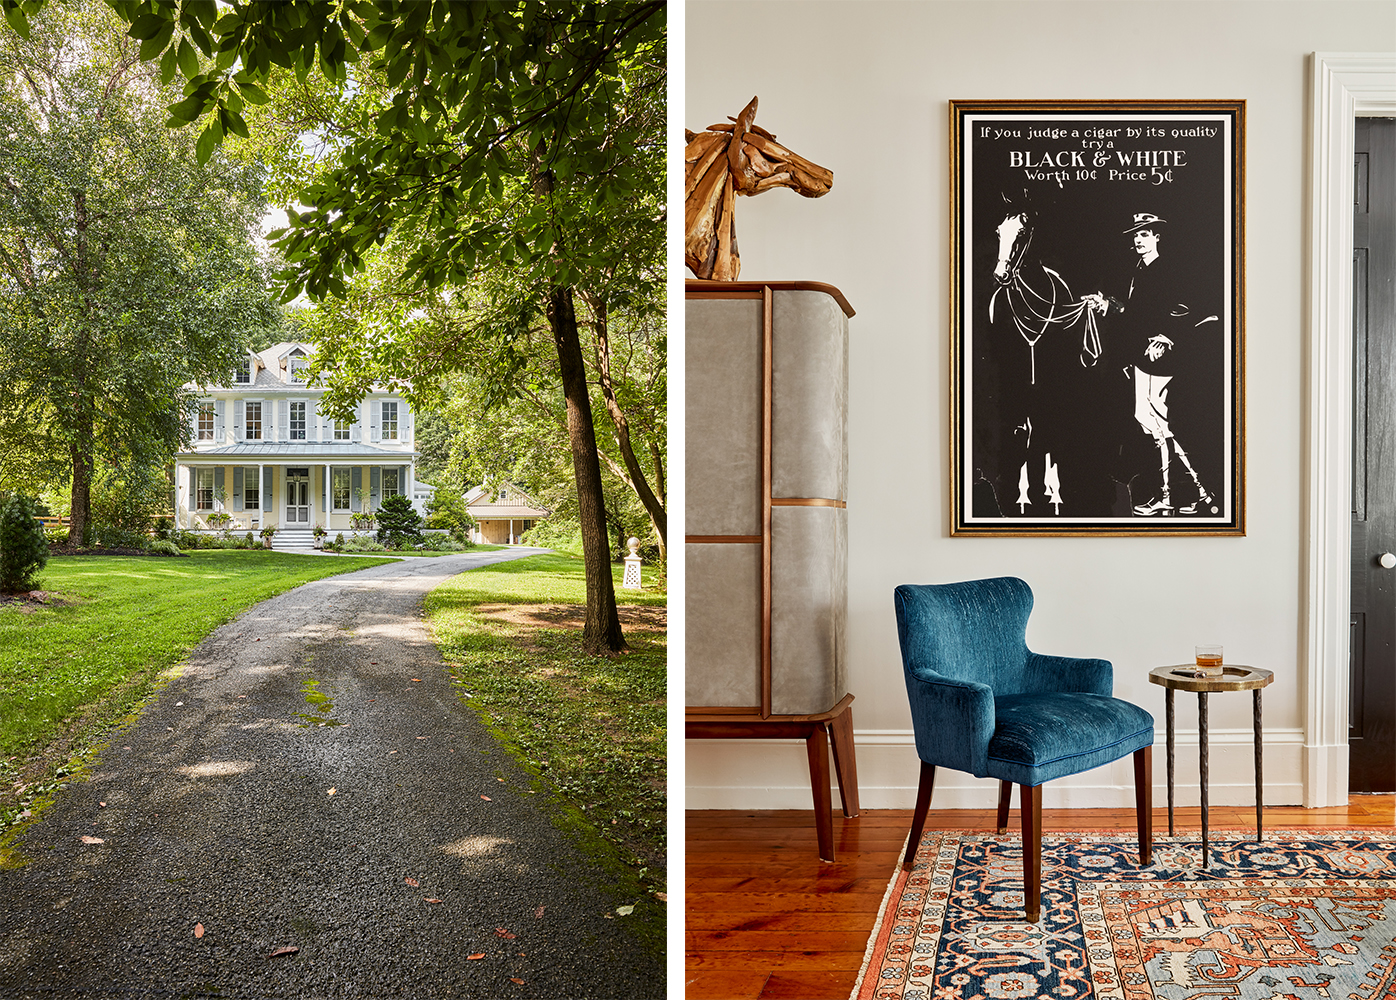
(80, 513)
(601, 633)
(658, 517)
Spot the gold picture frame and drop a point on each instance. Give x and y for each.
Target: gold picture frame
(1097, 317)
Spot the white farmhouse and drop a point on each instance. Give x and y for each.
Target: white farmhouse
(264, 454)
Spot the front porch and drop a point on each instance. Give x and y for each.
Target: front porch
(338, 496)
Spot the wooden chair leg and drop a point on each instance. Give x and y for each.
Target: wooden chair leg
(918, 818)
(1031, 808)
(845, 763)
(1144, 803)
(817, 748)
(1005, 800)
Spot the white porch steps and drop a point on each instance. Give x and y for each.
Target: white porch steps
(293, 540)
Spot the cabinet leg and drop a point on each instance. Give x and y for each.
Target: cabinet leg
(845, 761)
(817, 747)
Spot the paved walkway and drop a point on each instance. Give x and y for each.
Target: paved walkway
(385, 848)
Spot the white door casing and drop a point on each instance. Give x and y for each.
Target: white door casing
(1342, 86)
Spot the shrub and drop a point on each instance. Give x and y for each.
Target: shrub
(398, 523)
(446, 509)
(444, 543)
(162, 547)
(23, 548)
(361, 544)
(557, 534)
(164, 528)
(56, 536)
(127, 500)
(114, 537)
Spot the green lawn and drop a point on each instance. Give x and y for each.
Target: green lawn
(129, 619)
(590, 729)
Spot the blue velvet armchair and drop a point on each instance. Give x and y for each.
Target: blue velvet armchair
(982, 702)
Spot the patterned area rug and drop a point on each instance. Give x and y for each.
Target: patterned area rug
(1306, 915)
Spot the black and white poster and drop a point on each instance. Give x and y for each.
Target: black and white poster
(1097, 317)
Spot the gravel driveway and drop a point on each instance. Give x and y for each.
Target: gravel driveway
(382, 845)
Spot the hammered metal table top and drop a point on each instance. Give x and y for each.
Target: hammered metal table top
(1234, 677)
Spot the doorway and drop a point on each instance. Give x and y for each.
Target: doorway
(297, 496)
(1372, 626)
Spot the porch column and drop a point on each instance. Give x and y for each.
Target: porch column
(178, 467)
(329, 503)
(261, 496)
(511, 531)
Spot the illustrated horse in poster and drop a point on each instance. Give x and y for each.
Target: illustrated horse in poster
(1036, 300)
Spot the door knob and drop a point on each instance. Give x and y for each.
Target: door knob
(1387, 560)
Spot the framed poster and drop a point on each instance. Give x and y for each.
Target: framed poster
(1097, 317)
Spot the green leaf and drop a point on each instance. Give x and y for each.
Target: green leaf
(168, 65)
(227, 24)
(234, 123)
(147, 26)
(208, 141)
(153, 46)
(188, 109)
(16, 18)
(188, 59)
(253, 94)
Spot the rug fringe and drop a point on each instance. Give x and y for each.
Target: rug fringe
(892, 888)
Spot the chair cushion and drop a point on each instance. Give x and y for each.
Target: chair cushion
(1038, 737)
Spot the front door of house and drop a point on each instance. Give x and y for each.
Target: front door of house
(297, 496)
(1372, 715)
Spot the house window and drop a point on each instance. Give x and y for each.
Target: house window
(242, 374)
(206, 421)
(298, 366)
(389, 421)
(252, 421)
(341, 430)
(391, 486)
(297, 421)
(203, 489)
(251, 490)
(339, 486)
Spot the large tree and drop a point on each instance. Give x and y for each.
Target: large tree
(127, 269)
(487, 134)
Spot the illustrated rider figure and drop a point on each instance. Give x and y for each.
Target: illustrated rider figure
(1154, 333)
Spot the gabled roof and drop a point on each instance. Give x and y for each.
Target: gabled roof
(483, 502)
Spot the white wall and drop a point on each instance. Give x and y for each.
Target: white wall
(863, 88)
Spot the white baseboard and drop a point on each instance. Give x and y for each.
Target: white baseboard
(774, 774)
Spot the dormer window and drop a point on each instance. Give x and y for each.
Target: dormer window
(299, 363)
(242, 374)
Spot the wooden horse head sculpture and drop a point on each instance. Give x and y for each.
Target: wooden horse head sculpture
(722, 162)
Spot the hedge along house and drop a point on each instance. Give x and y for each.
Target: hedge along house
(503, 515)
(264, 454)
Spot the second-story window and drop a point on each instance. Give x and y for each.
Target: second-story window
(389, 421)
(341, 430)
(206, 421)
(242, 374)
(297, 421)
(252, 422)
(298, 366)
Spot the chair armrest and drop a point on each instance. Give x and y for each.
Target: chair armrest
(953, 720)
(1069, 674)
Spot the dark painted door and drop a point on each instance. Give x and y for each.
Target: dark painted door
(1372, 727)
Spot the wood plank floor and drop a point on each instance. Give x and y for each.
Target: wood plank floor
(765, 918)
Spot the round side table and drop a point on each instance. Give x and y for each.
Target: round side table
(1185, 677)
